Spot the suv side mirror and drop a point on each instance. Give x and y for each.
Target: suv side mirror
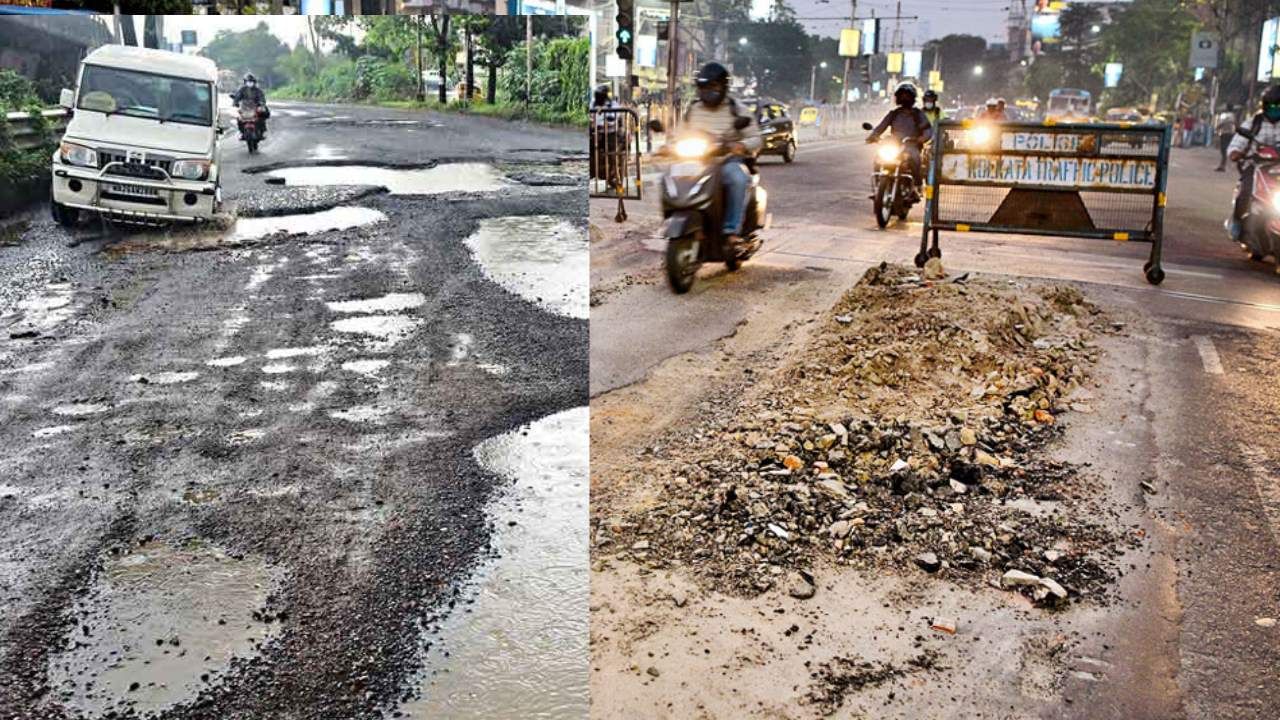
(67, 98)
(741, 122)
(867, 126)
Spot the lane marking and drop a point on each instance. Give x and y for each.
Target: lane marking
(1208, 355)
(1268, 489)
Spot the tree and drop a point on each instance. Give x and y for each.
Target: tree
(957, 56)
(1152, 68)
(1080, 49)
(775, 56)
(500, 36)
(443, 45)
(256, 50)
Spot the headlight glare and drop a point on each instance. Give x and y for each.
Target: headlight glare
(888, 153)
(692, 147)
(73, 154)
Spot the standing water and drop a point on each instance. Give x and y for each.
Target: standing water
(542, 258)
(521, 651)
(447, 178)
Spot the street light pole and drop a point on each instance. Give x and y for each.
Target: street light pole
(673, 61)
(848, 61)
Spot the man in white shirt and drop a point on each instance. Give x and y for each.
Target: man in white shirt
(1225, 126)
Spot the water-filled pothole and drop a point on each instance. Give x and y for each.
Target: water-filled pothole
(343, 217)
(159, 624)
(521, 651)
(542, 258)
(447, 178)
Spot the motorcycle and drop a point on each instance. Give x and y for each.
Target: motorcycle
(895, 186)
(693, 206)
(1260, 232)
(251, 125)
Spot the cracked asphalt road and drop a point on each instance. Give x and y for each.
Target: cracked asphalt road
(236, 409)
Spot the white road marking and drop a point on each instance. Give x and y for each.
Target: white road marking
(1208, 355)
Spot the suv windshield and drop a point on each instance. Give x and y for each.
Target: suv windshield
(139, 94)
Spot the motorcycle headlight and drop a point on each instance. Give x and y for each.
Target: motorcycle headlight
(980, 136)
(73, 154)
(191, 169)
(692, 147)
(888, 153)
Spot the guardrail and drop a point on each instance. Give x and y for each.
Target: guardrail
(22, 129)
(615, 156)
(1083, 180)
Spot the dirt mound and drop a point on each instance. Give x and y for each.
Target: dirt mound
(910, 431)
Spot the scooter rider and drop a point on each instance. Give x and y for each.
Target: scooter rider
(251, 93)
(907, 122)
(1265, 128)
(714, 113)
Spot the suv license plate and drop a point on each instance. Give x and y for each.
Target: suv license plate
(135, 190)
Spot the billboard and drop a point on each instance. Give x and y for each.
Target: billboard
(1111, 74)
(1045, 27)
(911, 62)
(1267, 50)
(646, 51)
(850, 42)
(870, 36)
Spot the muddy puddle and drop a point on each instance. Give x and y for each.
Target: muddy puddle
(520, 649)
(541, 258)
(447, 178)
(343, 217)
(160, 623)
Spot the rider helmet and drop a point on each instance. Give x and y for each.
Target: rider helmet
(992, 102)
(713, 84)
(1271, 103)
(905, 94)
(249, 78)
(931, 95)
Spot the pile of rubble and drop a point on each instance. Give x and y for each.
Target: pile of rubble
(909, 433)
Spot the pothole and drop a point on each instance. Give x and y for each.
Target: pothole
(361, 414)
(365, 367)
(343, 217)
(447, 178)
(165, 378)
(542, 258)
(393, 302)
(521, 650)
(80, 409)
(159, 624)
(390, 329)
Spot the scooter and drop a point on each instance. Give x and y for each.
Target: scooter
(251, 125)
(895, 186)
(1260, 231)
(693, 205)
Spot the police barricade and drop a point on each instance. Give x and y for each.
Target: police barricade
(1085, 180)
(615, 156)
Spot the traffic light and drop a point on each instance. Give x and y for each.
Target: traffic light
(626, 33)
(866, 73)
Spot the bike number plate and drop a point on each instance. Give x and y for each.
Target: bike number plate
(687, 169)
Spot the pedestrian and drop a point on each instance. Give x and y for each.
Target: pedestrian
(1188, 129)
(1225, 127)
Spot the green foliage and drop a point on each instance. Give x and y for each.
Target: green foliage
(777, 54)
(560, 83)
(256, 50)
(16, 91)
(1151, 67)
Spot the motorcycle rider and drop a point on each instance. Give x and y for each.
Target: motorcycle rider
(714, 113)
(906, 122)
(931, 108)
(249, 92)
(992, 111)
(1265, 128)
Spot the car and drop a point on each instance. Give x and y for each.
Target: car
(141, 144)
(777, 129)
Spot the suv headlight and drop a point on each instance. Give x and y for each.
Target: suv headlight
(191, 169)
(73, 154)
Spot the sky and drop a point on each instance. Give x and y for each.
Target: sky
(286, 27)
(985, 18)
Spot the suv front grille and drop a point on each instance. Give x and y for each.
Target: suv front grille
(155, 168)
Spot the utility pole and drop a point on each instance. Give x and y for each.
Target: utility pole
(673, 61)
(848, 61)
(528, 62)
(422, 93)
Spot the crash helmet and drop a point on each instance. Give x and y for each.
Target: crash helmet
(1271, 103)
(249, 78)
(992, 102)
(905, 94)
(713, 84)
(1000, 102)
(930, 95)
